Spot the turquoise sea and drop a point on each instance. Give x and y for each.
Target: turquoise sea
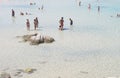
(93, 40)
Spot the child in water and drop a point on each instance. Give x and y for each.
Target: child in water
(61, 23)
(28, 24)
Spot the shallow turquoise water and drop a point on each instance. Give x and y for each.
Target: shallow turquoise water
(94, 36)
(86, 21)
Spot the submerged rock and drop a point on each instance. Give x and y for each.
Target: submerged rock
(28, 37)
(36, 39)
(48, 39)
(29, 70)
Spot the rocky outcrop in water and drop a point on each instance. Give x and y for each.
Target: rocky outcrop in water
(36, 39)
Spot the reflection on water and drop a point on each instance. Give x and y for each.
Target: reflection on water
(71, 27)
(13, 19)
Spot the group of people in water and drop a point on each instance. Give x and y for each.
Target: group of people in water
(61, 22)
(35, 24)
(89, 5)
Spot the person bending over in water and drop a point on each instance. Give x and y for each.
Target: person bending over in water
(71, 21)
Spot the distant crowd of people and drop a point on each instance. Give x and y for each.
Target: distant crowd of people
(61, 21)
(89, 5)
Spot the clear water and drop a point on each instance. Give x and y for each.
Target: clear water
(94, 37)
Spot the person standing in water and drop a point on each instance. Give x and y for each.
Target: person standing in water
(61, 23)
(42, 7)
(28, 24)
(89, 6)
(98, 8)
(13, 13)
(71, 21)
(36, 22)
(79, 3)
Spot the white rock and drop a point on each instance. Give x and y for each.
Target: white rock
(33, 38)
